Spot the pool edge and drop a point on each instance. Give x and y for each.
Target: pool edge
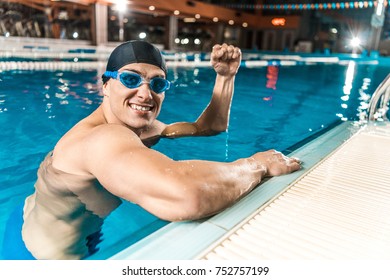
(185, 240)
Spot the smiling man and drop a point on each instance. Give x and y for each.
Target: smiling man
(106, 158)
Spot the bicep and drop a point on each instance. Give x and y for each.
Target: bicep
(143, 176)
(134, 173)
(180, 129)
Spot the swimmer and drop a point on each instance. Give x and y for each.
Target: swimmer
(106, 158)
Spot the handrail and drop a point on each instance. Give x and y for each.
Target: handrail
(379, 103)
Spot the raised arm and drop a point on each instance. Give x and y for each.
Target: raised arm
(175, 190)
(215, 118)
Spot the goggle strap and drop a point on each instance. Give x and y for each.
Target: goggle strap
(111, 74)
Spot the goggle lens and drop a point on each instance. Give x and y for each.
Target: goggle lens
(159, 85)
(130, 80)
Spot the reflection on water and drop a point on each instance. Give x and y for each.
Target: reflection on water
(349, 76)
(364, 98)
(273, 107)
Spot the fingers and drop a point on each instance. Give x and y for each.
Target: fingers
(225, 52)
(281, 164)
(294, 163)
(282, 156)
(236, 53)
(297, 160)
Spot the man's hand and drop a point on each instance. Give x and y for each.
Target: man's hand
(275, 163)
(225, 59)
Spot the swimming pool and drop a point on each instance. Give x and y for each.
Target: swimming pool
(273, 107)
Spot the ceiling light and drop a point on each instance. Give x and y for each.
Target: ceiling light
(142, 35)
(189, 19)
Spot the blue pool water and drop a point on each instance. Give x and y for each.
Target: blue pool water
(273, 107)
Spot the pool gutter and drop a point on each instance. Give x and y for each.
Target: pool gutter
(337, 211)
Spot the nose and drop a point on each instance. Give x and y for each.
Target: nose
(144, 92)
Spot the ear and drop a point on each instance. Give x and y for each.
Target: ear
(106, 89)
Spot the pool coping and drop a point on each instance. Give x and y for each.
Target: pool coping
(185, 240)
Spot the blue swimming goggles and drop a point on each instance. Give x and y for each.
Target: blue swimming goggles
(134, 80)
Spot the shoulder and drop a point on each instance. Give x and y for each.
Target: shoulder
(87, 136)
(110, 136)
(110, 130)
(85, 146)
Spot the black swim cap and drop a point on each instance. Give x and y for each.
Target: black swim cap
(134, 52)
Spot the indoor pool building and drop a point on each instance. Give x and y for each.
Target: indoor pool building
(313, 83)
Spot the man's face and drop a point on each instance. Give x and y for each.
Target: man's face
(136, 108)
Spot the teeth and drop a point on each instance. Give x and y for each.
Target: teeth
(140, 108)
